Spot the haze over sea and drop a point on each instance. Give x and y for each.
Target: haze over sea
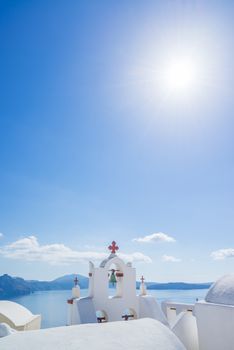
(53, 307)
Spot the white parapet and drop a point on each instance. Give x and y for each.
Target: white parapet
(215, 324)
(173, 309)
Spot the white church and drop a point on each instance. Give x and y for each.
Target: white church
(123, 305)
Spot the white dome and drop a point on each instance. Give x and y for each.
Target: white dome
(147, 334)
(222, 291)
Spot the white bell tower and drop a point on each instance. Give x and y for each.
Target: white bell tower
(122, 304)
(124, 297)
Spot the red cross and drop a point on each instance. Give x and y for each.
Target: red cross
(76, 281)
(142, 279)
(113, 247)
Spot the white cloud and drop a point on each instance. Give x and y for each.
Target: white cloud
(1, 235)
(29, 249)
(135, 257)
(155, 237)
(170, 258)
(222, 254)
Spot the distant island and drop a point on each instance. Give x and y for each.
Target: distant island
(15, 286)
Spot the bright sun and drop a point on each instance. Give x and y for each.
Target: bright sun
(180, 74)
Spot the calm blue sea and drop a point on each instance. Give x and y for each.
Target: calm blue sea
(53, 308)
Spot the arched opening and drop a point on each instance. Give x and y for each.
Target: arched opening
(115, 281)
(101, 316)
(129, 314)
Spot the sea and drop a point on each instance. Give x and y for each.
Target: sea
(52, 305)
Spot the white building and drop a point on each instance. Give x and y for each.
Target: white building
(215, 316)
(99, 306)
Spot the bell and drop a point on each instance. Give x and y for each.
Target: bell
(112, 278)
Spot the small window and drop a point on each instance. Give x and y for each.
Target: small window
(101, 316)
(129, 314)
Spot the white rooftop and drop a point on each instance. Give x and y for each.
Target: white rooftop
(222, 291)
(143, 334)
(15, 312)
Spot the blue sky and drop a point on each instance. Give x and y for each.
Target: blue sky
(94, 146)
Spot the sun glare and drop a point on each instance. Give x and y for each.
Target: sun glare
(180, 74)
